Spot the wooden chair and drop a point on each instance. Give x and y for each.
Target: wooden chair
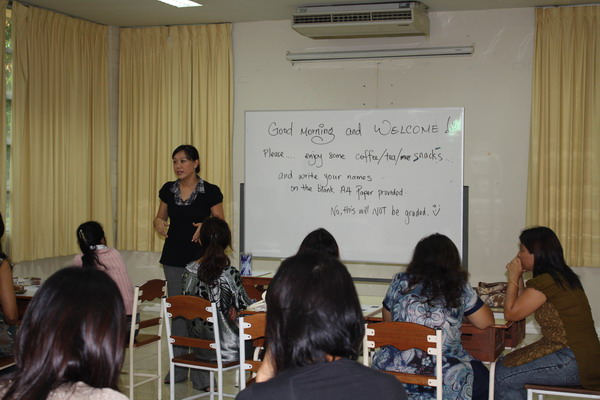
(150, 291)
(405, 336)
(252, 327)
(561, 391)
(191, 307)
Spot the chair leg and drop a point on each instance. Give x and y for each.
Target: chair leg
(172, 381)
(131, 388)
(492, 380)
(158, 372)
(220, 384)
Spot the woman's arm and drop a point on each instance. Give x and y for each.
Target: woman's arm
(217, 211)
(482, 318)
(519, 302)
(160, 221)
(7, 294)
(387, 315)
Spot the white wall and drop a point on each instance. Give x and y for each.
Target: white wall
(493, 85)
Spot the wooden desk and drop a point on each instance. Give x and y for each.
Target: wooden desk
(24, 299)
(484, 344)
(256, 285)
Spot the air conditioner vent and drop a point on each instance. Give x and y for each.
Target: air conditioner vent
(356, 20)
(388, 16)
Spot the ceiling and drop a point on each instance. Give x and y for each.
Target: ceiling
(153, 12)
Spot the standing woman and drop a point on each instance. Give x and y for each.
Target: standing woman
(9, 313)
(184, 203)
(434, 291)
(569, 351)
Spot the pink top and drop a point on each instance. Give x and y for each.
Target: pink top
(116, 269)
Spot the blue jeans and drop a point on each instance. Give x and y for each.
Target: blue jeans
(558, 368)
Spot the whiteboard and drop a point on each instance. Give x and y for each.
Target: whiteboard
(378, 180)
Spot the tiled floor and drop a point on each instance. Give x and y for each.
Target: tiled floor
(145, 358)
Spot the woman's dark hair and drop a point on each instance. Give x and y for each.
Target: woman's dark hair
(89, 235)
(320, 240)
(190, 152)
(73, 330)
(2, 254)
(548, 256)
(215, 238)
(314, 311)
(436, 266)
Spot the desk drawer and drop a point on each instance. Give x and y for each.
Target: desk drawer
(483, 344)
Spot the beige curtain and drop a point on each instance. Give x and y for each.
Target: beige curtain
(175, 88)
(3, 4)
(60, 159)
(564, 169)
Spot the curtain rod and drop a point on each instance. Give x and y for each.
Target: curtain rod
(570, 5)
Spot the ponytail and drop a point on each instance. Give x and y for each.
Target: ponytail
(215, 238)
(89, 235)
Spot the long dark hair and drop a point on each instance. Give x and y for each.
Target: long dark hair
(89, 235)
(320, 240)
(2, 254)
(73, 330)
(548, 256)
(190, 152)
(314, 311)
(215, 237)
(436, 266)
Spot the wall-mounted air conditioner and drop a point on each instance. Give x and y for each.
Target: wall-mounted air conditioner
(362, 20)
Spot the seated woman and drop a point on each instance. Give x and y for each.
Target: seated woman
(213, 278)
(71, 342)
(314, 333)
(9, 313)
(320, 240)
(568, 352)
(434, 291)
(95, 254)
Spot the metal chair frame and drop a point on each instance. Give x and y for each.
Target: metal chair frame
(191, 307)
(149, 291)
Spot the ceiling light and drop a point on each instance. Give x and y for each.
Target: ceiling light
(381, 53)
(181, 3)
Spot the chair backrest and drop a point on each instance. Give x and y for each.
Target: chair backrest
(405, 336)
(191, 307)
(154, 289)
(252, 327)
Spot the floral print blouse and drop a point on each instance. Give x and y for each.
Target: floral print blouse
(409, 304)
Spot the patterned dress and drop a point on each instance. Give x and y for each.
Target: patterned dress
(408, 304)
(227, 293)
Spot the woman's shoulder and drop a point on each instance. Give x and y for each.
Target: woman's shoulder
(81, 391)
(211, 189)
(541, 282)
(192, 267)
(166, 188)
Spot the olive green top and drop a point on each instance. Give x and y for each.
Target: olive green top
(575, 313)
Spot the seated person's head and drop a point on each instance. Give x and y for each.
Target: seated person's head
(73, 330)
(314, 312)
(215, 232)
(89, 235)
(321, 241)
